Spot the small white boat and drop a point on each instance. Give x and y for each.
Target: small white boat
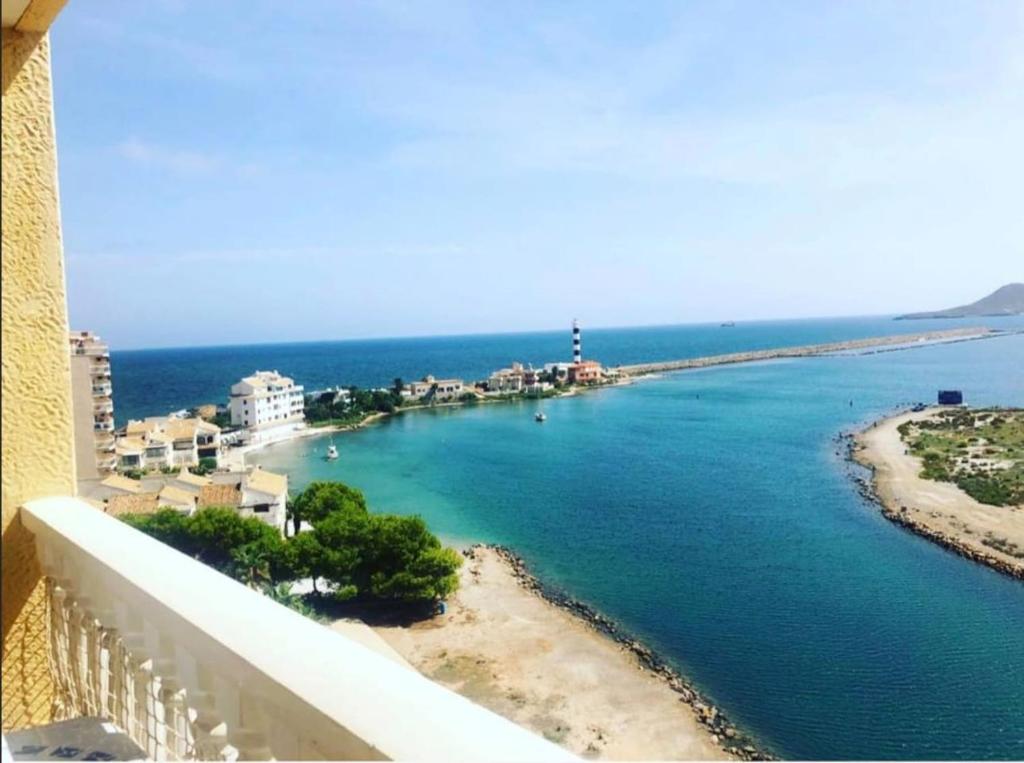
(332, 452)
(540, 416)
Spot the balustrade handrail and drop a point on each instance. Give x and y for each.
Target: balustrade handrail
(278, 683)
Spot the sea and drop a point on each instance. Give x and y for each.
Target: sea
(711, 512)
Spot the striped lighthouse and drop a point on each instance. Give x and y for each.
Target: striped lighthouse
(577, 349)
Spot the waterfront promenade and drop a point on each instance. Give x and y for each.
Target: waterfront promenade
(896, 341)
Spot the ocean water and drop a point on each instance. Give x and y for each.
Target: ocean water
(154, 382)
(712, 514)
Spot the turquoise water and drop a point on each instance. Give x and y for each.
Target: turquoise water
(153, 382)
(710, 512)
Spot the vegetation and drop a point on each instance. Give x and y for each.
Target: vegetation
(981, 451)
(359, 404)
(205, 466)
(361, 556)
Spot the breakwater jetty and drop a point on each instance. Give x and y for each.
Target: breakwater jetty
(803, 351)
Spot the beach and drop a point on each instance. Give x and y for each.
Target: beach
(939, 511)
(508, 648)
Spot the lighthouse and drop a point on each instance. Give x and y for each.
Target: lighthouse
(577, 351)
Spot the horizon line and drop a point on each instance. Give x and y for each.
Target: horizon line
(153, 348)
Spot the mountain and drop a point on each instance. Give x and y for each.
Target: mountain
(1006, 300)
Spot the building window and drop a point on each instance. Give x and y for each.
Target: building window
(261, 508)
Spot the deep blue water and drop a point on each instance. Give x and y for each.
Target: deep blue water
(154, 382)
(710, 513)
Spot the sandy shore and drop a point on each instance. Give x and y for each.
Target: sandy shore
(509, 649)
(939, 511)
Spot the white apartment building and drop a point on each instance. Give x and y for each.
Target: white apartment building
(92, 406)
(268, 405)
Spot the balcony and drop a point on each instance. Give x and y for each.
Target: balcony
(102, 390)
(103, 406)
(93, 351)
(103, 425)
(230, 674)
(100, 369)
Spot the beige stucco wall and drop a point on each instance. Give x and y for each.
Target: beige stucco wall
(37, 444)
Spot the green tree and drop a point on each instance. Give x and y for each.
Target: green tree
(216, 533)
(401, 559)
(166, 525)
(304, 557)
(320, 499)
(341, 537)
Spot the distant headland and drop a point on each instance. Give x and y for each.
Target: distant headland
(1006, 300)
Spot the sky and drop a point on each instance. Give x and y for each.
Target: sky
(240, 172)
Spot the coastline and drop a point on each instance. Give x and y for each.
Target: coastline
(630, 374)
(938, 511)
(559, 667)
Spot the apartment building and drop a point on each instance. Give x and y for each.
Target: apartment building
(164, 441)
(507, 380)
(92, 406)
(429, 388)
(268, 405)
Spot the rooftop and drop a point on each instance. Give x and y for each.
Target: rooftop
(266, 482)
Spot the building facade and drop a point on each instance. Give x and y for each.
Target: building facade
(431, 389)
(507, 380)
(585, 372)
(267, 405)
(92, 405)
(166, 441)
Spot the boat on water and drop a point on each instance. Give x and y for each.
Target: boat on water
(332, 452)
(540, 416)
(728, 324)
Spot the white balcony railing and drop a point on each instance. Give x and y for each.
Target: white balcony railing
(104, 425)
(194, 665)
(103, 406)
(102, 389)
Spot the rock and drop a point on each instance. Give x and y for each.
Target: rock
(730, 732)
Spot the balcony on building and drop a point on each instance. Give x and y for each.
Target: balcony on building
(103, 621)
(231, 674)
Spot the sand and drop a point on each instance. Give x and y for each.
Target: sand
(938, 510)
(532, 662)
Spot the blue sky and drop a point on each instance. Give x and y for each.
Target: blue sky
(256, 171)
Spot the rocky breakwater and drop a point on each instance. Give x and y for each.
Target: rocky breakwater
(809, 350)
(723, 732)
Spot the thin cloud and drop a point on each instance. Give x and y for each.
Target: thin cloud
(181, 161)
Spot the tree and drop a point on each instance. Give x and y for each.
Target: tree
(322, 498)
(216, 533)
(401, 559)
(304, 557)
(166, 525)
